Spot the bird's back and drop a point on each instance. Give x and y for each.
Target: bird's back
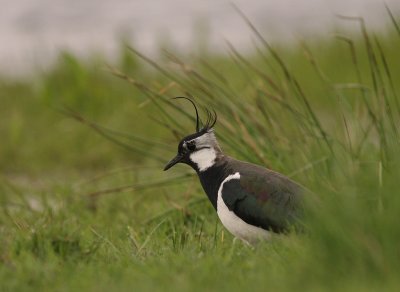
(262, 197)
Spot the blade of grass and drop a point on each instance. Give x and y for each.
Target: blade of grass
(108, 135)
(288, 76)
(392, 18)
(141, 186)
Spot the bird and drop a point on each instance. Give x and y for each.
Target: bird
(251, 201)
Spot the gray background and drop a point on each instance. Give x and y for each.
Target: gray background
(33, 31)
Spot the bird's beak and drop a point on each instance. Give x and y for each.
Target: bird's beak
(173, 161)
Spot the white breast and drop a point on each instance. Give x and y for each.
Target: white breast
(235, 225)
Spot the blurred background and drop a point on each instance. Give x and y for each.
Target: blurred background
(309, 88)
(32, 32)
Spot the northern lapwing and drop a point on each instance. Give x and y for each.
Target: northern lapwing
(251, 201)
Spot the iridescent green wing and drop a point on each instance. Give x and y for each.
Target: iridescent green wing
(265, 199)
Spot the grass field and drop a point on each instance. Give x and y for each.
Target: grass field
(86, 205)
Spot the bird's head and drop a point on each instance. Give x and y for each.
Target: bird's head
(200, 149)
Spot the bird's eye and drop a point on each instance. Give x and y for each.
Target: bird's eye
(191, 146)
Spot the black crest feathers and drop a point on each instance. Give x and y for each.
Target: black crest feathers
(211, 117)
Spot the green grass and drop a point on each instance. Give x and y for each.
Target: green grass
(87, 206)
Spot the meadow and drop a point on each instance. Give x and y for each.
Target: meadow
(86, 205)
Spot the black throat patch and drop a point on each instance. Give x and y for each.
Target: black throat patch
(212, 178)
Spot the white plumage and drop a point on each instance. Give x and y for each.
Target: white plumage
(235, 225)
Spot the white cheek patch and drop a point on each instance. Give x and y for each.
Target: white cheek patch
(204, 158)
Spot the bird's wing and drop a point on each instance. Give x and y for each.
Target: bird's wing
(269, 201)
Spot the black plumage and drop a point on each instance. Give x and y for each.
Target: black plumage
(253, 197)
(261, 197)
